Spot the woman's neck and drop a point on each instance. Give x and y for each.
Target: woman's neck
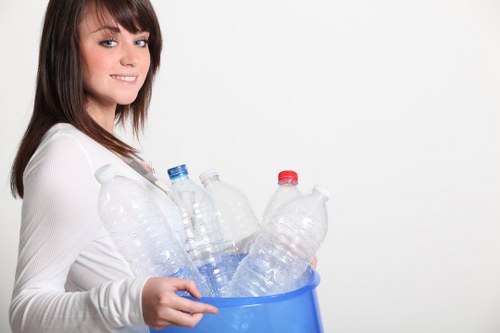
(103, 115)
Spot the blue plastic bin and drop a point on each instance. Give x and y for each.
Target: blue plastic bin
(293, 312)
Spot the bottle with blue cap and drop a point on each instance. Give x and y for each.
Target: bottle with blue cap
(204, 238)
(141, 231)
(283, 250)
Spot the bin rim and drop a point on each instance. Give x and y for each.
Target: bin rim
(223, 302)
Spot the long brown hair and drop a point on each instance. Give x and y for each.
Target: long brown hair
(60, 96)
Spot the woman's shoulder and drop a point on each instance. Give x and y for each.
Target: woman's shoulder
(65, 147)
(64, 135)
(63, 144)
(65, 131)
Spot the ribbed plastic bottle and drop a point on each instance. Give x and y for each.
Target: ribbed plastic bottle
(237, 218)
(283, 250)
(204, 238)
(174, 217)
(287, 190)
(140, 231)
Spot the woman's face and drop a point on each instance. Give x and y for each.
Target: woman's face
(115, 62)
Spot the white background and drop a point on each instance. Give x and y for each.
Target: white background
(392, 105)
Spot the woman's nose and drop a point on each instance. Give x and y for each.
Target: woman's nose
(129, 56)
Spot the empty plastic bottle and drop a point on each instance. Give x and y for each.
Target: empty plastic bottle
(283, 250)
(237, 218)
(174, 218)
(204, 239)
(140, 231)
(287, 190)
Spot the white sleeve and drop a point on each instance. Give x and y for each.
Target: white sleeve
(59, 219)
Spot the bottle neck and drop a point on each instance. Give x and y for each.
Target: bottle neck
(287, 182)
(210, 180)
(320, 196)
(179, 178)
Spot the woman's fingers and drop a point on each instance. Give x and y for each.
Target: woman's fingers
(189, 306)
(163, 307)
(314, 262)
(179, 318)
(187, 285)
(183, 312)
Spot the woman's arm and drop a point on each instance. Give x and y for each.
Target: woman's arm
(59, 220)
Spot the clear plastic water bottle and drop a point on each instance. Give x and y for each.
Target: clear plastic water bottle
(283, 250)
(204, 239)
(140, 231)
(287, 190)
(174, 217)
(237, 218)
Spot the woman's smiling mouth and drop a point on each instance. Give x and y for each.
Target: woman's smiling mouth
(125, 78)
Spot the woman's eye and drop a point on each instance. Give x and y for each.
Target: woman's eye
(109, 43)
(142, 42)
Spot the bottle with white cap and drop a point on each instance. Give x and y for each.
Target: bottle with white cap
(287, 190)
(284, 249)
(237, 218)
(141, 231)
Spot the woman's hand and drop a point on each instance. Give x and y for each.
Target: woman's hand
(162, 307)
(314, 262)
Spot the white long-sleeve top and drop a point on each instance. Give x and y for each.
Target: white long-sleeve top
(70, 276)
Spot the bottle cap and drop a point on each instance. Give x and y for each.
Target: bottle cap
(177, 171)
(210, 172)
(105, 174)
(322, 190)
(288, 175)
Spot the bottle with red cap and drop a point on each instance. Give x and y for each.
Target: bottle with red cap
(287, 190)
(283, 250)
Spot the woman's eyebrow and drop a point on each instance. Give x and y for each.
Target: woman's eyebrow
(115, 29)
(108, 27)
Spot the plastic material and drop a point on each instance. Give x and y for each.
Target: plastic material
(287, 190)
(284, 248)
(293, 312)
(237, 218)
(140, 231)
(174, 218)
(204, 239)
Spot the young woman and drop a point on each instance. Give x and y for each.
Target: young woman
(97, 62)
